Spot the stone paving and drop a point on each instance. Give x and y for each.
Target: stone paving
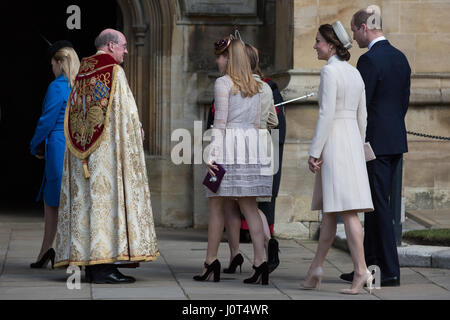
(182, 254)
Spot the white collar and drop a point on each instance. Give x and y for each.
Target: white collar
(376, 40)
(333, 58)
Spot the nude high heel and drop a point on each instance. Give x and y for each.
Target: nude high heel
(365, 280)
(316, 275)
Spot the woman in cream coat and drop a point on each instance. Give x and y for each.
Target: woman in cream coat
(337, 155)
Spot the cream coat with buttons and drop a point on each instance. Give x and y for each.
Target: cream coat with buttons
(342, 183)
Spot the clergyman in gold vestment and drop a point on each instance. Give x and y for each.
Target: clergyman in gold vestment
(105, 216)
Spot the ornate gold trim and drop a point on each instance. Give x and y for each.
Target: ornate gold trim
(63, 263)
(84, 155)
(96, 70)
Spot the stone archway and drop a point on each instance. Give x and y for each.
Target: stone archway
(148, 28)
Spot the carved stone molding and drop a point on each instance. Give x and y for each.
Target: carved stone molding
(148, 28)
(231, 12)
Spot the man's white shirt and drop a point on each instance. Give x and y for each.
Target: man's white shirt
(376, 40)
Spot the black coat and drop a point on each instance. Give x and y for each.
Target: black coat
(387, 78)
(277, 98)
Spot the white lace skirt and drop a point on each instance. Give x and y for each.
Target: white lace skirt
(248, 168)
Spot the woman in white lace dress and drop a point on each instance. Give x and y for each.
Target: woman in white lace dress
(233, 222)
(234, 145)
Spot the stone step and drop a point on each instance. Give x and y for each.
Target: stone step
(433, 218)
(408, 255)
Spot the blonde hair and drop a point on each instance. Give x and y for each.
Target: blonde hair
(239, 70)
(68, 59)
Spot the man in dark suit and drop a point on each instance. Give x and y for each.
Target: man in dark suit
(386, 74)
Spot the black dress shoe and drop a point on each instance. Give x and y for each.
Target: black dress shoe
(87, 272)
(347, 276)
(390, 282)
(106, 273)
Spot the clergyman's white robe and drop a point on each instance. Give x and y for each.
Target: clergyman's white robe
(108, 217)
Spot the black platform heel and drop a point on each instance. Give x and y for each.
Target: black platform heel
(43, 262)
(213, 268)
(238, 260)
(261, 275)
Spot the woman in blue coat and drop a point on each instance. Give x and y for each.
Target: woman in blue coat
(50, 132)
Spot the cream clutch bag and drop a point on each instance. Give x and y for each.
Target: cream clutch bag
(368, 152)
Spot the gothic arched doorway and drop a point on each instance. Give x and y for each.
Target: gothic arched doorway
(28, 73)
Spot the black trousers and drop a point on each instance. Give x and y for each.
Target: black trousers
(380, 246)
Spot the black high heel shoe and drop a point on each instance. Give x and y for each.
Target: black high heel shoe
(48, 256)
(213, 268)
(261, 275)
(238, 260)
